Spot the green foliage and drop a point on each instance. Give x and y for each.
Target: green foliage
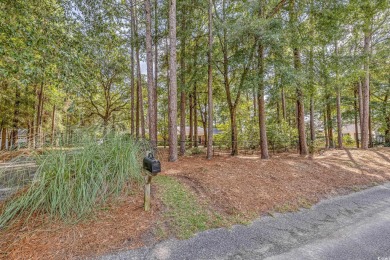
(347, 139)
(281, 135)
(183, 210)
(69, 184)
(197, 150)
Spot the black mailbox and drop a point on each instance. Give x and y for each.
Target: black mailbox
(152, 165)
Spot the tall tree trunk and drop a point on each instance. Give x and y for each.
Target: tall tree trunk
(9, 140)
(132, 68)
(338, 103)
(356, 117)
(300, 110)
(34, 118)
(41, 134)
(156, 59)
(182, 92)
(284, 111)
(210, 85)
(53, 125)
(140, 107)
(387, 131)
(312, 127)
(299, 92)
(329, 122)
(366, 92)
(386, 115)
(39, 119)
(370, 139)
(16, 119)
(261, 102)
(195, 117)
(191, 133)
(360, 98)
(326, 130)
(203, 117)
(255, 107)
(182, 121)
(339, 122)
(152, 102)
(233, 128)
(3, 138)
(172, 96)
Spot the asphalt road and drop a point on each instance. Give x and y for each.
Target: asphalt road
(355, 226)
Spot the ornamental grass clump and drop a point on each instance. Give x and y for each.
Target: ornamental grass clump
(70, 184)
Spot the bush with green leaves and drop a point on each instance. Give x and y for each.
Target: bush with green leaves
(70, 184)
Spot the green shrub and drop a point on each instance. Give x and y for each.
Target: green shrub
(70, 183)
(197, 150)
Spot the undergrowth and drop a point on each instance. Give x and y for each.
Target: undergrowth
(185, 214)
(70, 183)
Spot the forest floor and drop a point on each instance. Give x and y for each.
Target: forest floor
(195, 194)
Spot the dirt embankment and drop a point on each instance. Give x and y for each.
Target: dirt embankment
(248, 185)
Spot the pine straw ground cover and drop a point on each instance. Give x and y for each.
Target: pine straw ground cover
(227, 190)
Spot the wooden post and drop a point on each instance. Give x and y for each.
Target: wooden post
(148, 180)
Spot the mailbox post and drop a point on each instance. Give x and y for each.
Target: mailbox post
(152, 167)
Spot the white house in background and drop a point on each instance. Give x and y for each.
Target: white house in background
(22, 138)
(349, 129)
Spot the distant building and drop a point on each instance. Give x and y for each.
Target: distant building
(349, 130)
(22, 138)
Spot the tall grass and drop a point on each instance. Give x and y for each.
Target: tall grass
(70, 183)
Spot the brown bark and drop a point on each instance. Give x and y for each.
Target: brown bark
(195, 117)
(172, 96)
(326, 130)
(360, 99)
(210, 85)
(255, 107)
(260, 95)
(312, 127)
(39, 119)
(16, 119)
(355, 106)
(233, 128)
(300, 109)
(3, 138)
(182, 92)
(261, 102)
(329, 122)
(339, 121)
(191, 133)
(140, 120)
(386, 114)
(370, 139)
(387, 131)
(156, 63)
(182, 121)
(311, 75)
(284, 112)
(132, 68)
(366, 92)
(299, 92)
(152, 102)
(338, 104)
(203, 117)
